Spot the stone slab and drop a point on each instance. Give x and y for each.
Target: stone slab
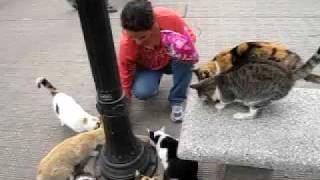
(286, 136)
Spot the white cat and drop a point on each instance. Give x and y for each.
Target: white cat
(68, 110)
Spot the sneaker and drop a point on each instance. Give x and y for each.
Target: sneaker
(177, 113)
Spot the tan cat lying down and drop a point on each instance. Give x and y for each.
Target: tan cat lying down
(59, 163)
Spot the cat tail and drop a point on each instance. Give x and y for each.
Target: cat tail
(45, 83)
(304, 72)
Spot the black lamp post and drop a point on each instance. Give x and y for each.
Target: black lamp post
(123, 153)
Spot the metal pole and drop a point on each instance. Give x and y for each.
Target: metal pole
(123, 153)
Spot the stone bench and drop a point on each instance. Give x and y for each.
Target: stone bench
(286, 135)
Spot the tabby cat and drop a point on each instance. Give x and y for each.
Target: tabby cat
(229, 58)
(254, 81)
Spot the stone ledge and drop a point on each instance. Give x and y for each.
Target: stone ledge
(286, 136)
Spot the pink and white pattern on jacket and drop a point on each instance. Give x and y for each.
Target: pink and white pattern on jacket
(179, 47)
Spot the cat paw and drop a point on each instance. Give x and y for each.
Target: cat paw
(71, 177)
(94, 153)
(219, 106)
(240, 115)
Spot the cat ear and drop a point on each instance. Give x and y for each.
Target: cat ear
(163, 128)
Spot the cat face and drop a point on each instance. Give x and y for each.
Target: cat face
(220, 63)
(206, 89)
(202, 73)
(90, 122)
(156, 135)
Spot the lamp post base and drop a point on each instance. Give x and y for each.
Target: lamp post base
(145, 163)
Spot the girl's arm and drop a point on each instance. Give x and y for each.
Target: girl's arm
(127, 65)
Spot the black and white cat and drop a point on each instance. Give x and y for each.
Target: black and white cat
(175, 168)
(68, 110)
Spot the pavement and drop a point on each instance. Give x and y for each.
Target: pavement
(44, 38)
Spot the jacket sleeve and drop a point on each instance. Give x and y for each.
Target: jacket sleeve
(127, 65)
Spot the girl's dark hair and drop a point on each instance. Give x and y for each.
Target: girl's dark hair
(137, 15)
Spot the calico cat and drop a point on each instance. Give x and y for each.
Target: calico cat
(229, 58)
(61, 161)
(174, 167)
(68, 110)
(255, 83)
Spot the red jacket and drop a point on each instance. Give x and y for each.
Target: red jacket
(131, 55)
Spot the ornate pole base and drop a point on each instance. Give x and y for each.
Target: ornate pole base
(145, 162)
